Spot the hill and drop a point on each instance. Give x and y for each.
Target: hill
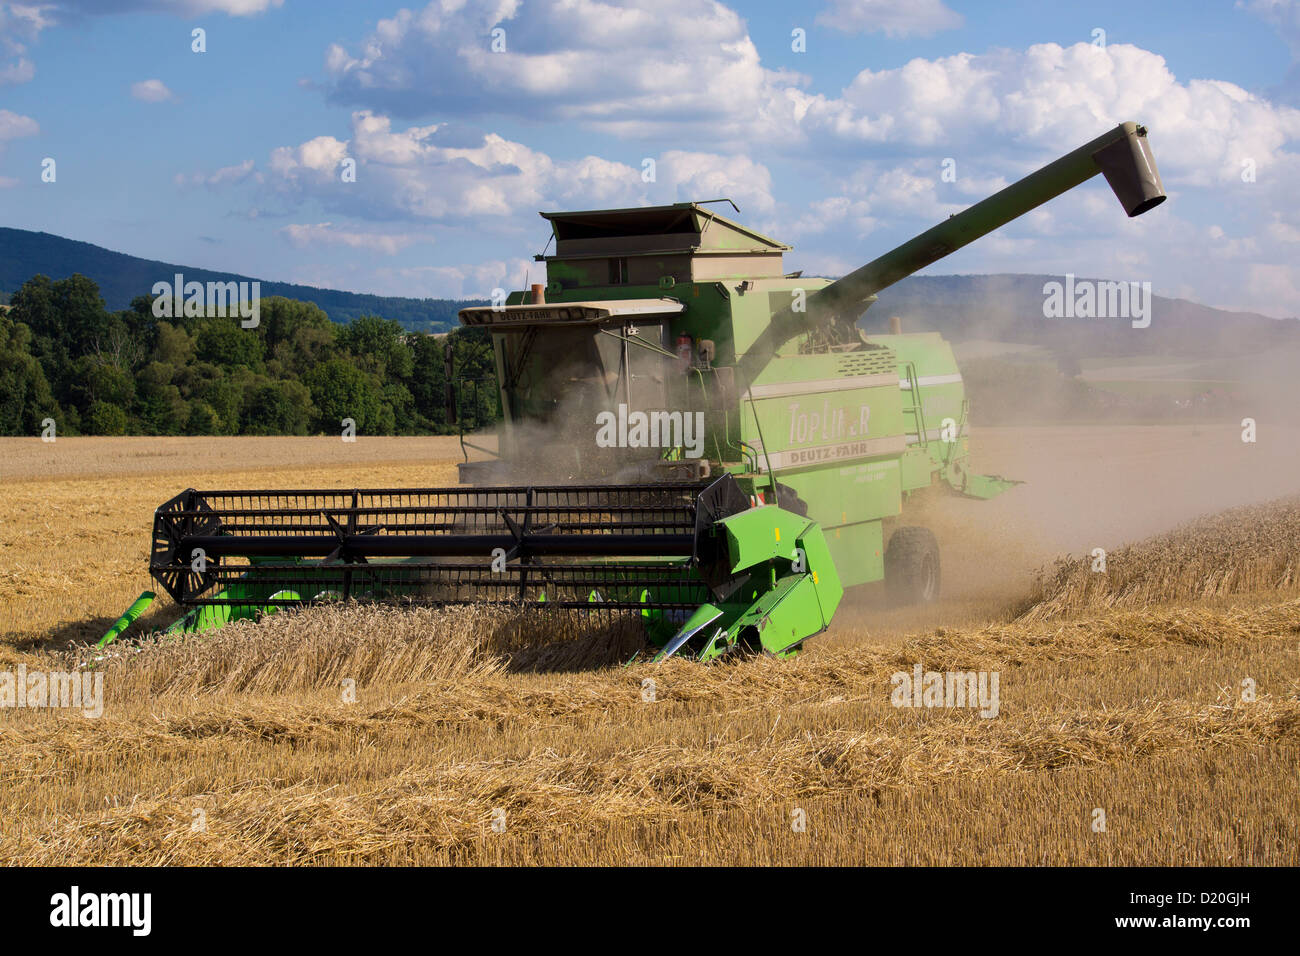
(1010, 308)
(1007, 308)
(121, 278)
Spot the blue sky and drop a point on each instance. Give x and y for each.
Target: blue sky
(230, 159)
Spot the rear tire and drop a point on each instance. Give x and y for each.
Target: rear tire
(912, 566)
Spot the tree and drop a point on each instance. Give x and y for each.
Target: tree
(379, 345)
(175, 346)
(107, 383)
(65, 317)
(25, 396)
(64, 356)
(106, 419)
(428, 383)
(278, 408)
(202, 419)
(341, 390)
(223, 342)
(219, 392)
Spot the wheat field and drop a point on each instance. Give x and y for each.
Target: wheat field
(1163, 695)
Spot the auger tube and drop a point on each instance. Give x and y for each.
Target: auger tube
(1123, 155)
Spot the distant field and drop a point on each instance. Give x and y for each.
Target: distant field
(29, 459)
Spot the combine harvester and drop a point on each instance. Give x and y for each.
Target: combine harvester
(691, 435)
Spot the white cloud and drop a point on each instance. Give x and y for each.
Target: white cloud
(409, 174)
(20, 24)
(1284, 15)
(694, 176)
(1280, 231)
(224, 176)
(876, 193)
(184, 8)
(628, 69)
(326, 233)
(464, 281)
(1005, 113)
(1051, 98)
(690, 65)
(15, 125)
(894, 18)
(151, 91)
(235, 8)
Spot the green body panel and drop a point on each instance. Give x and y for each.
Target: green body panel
(760, 535)
(783, 616)
(823, 572)
(858, 552)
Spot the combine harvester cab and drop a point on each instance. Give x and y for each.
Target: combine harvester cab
(690, 434)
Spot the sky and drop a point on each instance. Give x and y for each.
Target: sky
(830, 123)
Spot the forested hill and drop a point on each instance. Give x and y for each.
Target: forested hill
(121, 278)
(1003, 307)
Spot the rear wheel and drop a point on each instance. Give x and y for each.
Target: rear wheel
(912, 566)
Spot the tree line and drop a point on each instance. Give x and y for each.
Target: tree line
(65, 357)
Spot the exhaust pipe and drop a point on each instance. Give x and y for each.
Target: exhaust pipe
(1130, 169)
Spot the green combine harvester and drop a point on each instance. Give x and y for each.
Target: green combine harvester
(692, 436)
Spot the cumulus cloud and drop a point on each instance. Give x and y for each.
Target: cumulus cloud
(1050, 98)
(226, 175)
(151, 91)
(409, 174)
(629, 68)
(326, 233)
(693, 176)
(1004, 113)
(20, 24)
(879, 192)
(15, 126)
(690, 64)
(464, 281)
(894, 18)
